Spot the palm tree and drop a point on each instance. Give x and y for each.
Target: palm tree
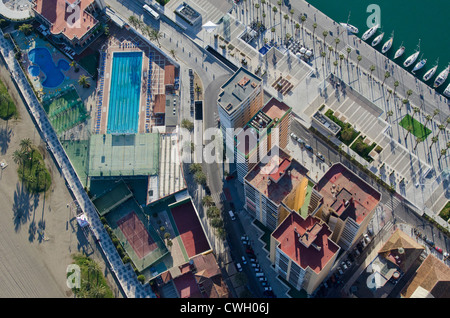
(349, 49)
(434, 140)
(386, 76)
(409, 129)
(83, 81)
(409, 92)
(314, 25)
(341, 58)
(415, 110)
(207, 201)
(297, 28)
(336, 41)
(134, 21)
(25, 145)
(396, 83)
(447, 121)
(418, 140)
(275, 10)
(172, 52)
(441, 128)
(359, 58)
(428, 118)
(92, 268)
(26, 28)
(389, 114)
(335, 63)
(324, 33)
(155, 36)
(257, 11)
(303, 19)
(97, 291)
(19, 158)
(286, 17)
(443, 152)
(372, 68)
(330, 49)
(323, 55)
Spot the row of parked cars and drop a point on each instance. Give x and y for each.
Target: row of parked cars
(253, 262)
(430, 242)
(301, 142)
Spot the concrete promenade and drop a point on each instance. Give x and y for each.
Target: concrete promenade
(125, 275)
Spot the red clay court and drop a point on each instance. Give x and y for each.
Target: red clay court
(191, 232)
(136, 234)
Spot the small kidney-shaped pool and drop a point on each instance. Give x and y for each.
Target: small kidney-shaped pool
(43, 61)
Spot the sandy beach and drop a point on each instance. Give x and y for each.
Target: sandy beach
(33, 265)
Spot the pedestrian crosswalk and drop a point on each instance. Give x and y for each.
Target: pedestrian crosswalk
(392, 203)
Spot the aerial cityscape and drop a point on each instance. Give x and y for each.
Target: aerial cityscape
(237, 149)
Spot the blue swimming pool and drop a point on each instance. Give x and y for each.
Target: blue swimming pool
(42, 58)
(125, 93)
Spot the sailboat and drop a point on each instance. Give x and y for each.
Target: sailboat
(368, 34)
(440, 79)
(400, 51)
(447, 91)
(429, 74)
(413, 57)
(350, 28)
(420, 64)
(377, 39)
(388, 44)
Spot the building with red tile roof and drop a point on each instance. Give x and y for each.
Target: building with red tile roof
(302, 251)
(268, 184)
(70, 21)
(348, 204)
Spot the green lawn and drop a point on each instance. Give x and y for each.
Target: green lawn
(418, 130)
(7, 106)
(445, 213)
(347, 133)
(363, 149)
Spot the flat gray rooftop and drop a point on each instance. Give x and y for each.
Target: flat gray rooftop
(237, 89)
(124, 155)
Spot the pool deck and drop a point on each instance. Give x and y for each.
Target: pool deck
(146, 120)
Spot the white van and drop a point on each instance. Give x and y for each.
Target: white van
(231, 215)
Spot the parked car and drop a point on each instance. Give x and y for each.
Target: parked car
(245, 242)
(429, 242)
(244, 237)
(257, 269)
(437, 248)
(244, 261)
(263, 279)
(255, 265)
(320, 156)
(293, 136)
(229, 177)
(366, 238)
(253, 260)
(300, 141)
(344, 266)
(249, 251)
(348, 263)
(264, 284)
(268, 288)
(309, 148)
(239, 267)
(340, 271)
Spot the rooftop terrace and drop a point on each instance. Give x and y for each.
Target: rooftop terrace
(347, 194)
(238, 88)
(278, 177)
(306, 241)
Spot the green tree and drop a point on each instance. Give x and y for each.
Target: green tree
(26, 29)
(195, 167)
(200, 177)
(386, 76)
(434, 140)
(187, 124)
(207, 201)
(83, 81)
